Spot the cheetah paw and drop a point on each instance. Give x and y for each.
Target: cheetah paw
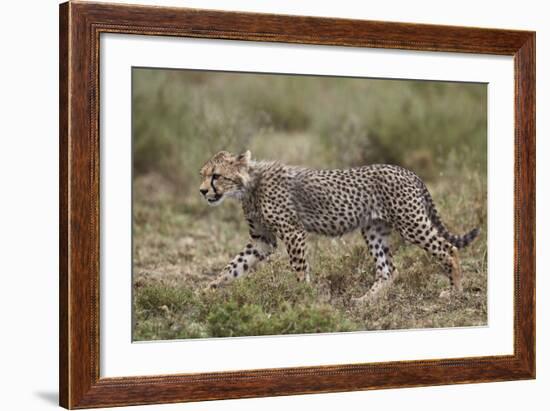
(303, 277)
(213, 285)
(445, 295)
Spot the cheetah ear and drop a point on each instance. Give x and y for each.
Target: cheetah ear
(244, 158)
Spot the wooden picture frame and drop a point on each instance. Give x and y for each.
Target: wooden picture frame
(80, 27)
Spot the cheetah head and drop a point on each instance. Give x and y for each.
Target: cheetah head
(224, 175)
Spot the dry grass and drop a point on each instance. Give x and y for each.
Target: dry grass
(175, 256)
(180, 244)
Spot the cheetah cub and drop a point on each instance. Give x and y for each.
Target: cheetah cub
(282, 202)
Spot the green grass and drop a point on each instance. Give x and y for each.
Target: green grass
(180, 244)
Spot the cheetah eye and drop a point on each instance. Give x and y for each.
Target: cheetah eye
(215, 176)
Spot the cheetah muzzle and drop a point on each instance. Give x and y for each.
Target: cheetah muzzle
(286, 203)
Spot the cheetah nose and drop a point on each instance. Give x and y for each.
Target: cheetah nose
(203, 191)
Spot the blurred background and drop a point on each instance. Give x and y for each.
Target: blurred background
(181, 118)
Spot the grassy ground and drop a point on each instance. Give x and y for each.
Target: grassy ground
(180, 244)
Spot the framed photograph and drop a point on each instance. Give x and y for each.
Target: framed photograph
(259, 205)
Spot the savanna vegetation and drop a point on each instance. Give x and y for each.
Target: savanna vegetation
(181, 118)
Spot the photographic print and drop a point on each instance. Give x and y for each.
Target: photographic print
(314, 188)
(273, 204)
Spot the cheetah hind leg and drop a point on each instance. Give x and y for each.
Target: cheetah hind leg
(376, 235)
(455, 275)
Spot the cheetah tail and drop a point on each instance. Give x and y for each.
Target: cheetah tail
(462, 241)
(459, 241)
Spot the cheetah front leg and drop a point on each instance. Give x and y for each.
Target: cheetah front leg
(376, 235)
(258, 249)
(295, 242)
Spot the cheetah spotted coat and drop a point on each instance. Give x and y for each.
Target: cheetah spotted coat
(287, 202)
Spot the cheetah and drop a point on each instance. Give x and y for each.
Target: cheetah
(287, 203)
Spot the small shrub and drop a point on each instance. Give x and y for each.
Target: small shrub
(230, 320)
(157, 299)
